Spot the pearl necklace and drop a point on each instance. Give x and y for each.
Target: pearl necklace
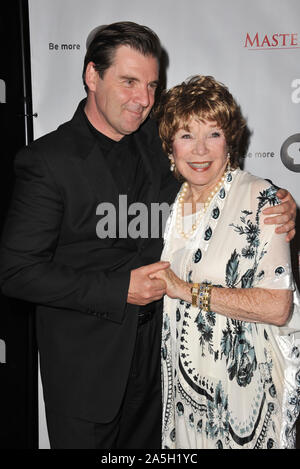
(201, 213)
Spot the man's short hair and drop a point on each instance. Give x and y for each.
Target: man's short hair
(102, 48)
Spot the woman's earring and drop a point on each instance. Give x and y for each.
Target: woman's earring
(172, 165)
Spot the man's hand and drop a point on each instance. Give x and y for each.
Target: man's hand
(142, 288)
(284, 214)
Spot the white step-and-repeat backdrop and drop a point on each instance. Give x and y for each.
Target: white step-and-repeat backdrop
(251, 46)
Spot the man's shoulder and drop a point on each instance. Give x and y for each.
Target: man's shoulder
(55, 137)
(67, 139)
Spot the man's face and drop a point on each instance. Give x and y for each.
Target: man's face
(119, 102)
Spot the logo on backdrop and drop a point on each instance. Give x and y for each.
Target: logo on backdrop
(2, 351)
(261, 41)
(296, 92)
(290, 153)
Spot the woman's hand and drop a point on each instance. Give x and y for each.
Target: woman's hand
(175, 287)
(284, 214)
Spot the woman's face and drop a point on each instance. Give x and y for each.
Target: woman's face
(200, 153)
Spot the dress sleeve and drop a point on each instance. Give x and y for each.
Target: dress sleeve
(274, 262)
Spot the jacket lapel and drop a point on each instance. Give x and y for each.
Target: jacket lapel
(148, 153)
(148, 156)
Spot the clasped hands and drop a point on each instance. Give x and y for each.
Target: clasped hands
(151, 282)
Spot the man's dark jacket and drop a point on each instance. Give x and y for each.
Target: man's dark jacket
(51, 256)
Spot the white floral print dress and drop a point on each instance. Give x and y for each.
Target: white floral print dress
(230, 383)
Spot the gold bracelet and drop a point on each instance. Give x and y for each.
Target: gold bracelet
(204, 296)
(195, 293)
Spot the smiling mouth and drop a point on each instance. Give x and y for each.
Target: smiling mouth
(203, 165)
(135, 111)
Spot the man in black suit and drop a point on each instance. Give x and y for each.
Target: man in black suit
(98, 314)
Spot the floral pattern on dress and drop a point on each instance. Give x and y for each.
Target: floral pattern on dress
(200, 410)
(252, 248)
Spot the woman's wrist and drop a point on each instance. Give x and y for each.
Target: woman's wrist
(199, 295)
(185, 293)
(203, 297)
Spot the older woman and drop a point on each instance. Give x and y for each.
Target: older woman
(229, 350)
